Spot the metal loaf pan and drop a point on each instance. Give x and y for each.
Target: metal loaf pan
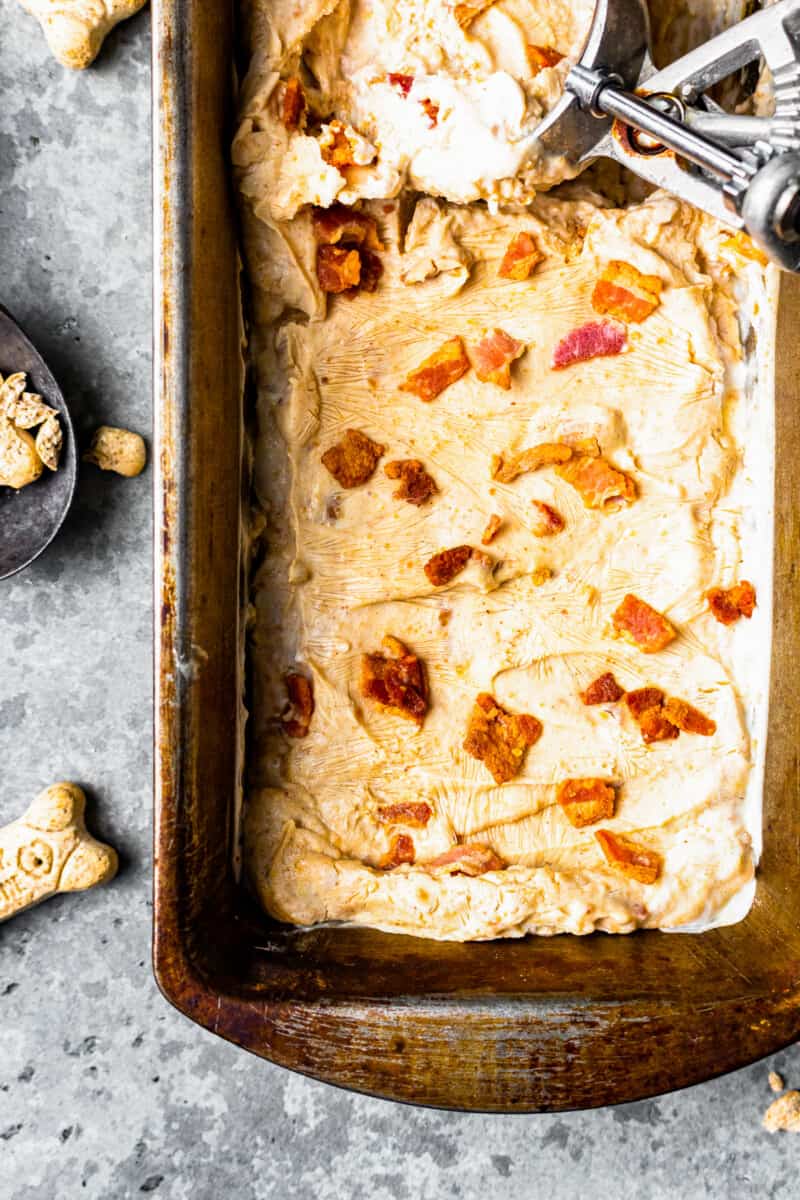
(507, 1026)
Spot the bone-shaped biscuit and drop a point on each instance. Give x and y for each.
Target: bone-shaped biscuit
(48, 850)
(75, 29)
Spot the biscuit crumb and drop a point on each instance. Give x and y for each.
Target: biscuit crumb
(776, 1081)
(783, 1113)
(117, 450)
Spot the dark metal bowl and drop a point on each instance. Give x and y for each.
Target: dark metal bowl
(31, 518)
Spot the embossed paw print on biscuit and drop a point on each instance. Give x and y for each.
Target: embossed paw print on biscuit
(48, 850)
(75, 29)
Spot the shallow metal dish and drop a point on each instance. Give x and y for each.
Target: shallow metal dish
(519, 1026)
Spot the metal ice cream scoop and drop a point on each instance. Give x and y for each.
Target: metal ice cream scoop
(744, 170)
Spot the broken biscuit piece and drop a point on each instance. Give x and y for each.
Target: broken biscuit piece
(783, 1113)
(118, 450)
(76, 29)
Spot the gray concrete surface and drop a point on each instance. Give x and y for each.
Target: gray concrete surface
(106, 1092)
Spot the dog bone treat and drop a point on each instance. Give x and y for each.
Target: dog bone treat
(117, 450)
(76, 29)
(48, 850)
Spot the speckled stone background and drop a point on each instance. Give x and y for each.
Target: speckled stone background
(105, 1091)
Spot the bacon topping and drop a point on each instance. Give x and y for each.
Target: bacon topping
(336, 147)
(595, 339)
(465, 14)
(597, 481)
(445, 565)
(293, 103)
(338, 269)
(521, 256)
(603, 690)
(642, 699)
(541, 57)
(547, 520)
(642, 625)
(402, 82)
(498, 738)
(416, 485)
(492, 529)
(416, 816)
(353, 460)
(297, 721)
(346, 225)
(540, 576)
(728, 604)
(656, 727)
(438, 371)
(629, 857)
(507, 467)
(431, 109)
(586, 801)
(401, 851)
(688, 718)
(396, 680)
(469, 859)
(493, 356)
(626, 293)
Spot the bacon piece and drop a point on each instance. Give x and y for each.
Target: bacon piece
(416, 816)
(642, 625)
(642, 699)
(547, 520)
(728, 604)
(401, 851)
(656, 727)
(431, 112)
(445, 565)
(688, 718)
(594, 339)
(396, 680)
(371, 271)
(338, 269)
(494, 355)
(416, 485)
(468, 859)
(586, 801)
(629, 857)
(507, 467)
(540, 575)
(492, 529)
(626, 293)
(521, 256)
(293, 103)
(402, 82)
(438, 371)
(348, 226)
(603, 690)
(336, 148)
(465, 14)
(597, 481)
(541, 57)
(353, 460)
(297, 721)
(498, 738)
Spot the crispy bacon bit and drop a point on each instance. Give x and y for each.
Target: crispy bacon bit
(371, 271)
(656, 727)
(470, 859)
(396, 680)
(586, 801)
(336, 147)
(626, 293)
(642, 699)
(402, 82)
(401, 851)
(348, 226)
(416, 816)
(353, 460)
(728, 604)
(498, 738)
(507, 467)
(416, 485)
(598, 482)
(465, 14)
(629, 857)
(492, 529)
(541, 57)
(589, 447)
(431, 109)
(338, 269)
(445, 565)
(438, 371)
(688, 718)
(642, 625)
(297, 721)
(603, 690)
(546, 520)
(540, 575)
(293, 103)
(521, 256)
(494, 355)
(595, 339)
